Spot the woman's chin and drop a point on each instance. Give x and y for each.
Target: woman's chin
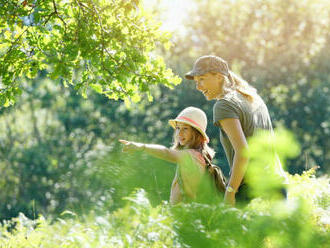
(208, 97)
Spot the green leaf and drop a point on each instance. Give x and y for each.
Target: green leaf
(97, 88)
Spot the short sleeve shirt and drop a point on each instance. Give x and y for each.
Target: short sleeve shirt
(252, 116)
(204, 190)
(177, 188)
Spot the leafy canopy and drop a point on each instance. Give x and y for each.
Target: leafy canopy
(108, 46)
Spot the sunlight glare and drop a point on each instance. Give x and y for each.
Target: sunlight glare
(171, 13)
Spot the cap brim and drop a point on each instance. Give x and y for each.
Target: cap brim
(190, 75)
(173, 124)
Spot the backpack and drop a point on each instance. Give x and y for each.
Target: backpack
(218, 177)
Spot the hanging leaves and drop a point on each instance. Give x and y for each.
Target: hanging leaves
(108, 45)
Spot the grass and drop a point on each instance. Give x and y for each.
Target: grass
(302, 221)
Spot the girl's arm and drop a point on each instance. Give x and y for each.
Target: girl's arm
(234, 131)
(189, 166)
(158, 151)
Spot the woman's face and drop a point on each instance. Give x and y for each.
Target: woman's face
(209, 84)
(184, 133)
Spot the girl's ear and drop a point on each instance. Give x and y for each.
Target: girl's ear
(200, 138)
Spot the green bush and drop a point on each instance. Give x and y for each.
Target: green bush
(300, 221)
(138, 224)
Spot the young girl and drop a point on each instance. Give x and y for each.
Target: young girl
(190, 152)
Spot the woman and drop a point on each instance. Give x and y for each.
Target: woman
(189, 151)
(239, 112)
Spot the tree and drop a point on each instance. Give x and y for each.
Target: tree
(108, 46)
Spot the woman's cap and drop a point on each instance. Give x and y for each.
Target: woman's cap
(208, 63)
(194, 117)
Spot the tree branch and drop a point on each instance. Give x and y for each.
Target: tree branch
(57, 14)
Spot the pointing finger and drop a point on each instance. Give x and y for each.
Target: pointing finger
(125, 142)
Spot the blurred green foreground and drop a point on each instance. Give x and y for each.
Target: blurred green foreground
(144, 219)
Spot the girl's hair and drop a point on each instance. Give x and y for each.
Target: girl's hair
(198, 143)
(234, 82)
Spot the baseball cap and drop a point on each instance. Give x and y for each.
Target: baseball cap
(208, 63)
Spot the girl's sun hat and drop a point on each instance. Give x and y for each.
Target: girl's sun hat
(194, 117)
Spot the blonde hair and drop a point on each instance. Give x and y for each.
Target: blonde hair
(198, 143)
(233, 82)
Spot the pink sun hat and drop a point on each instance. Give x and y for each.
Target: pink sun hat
(194, 117)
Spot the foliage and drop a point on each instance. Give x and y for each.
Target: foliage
(107, 46)
(138, 224)
(315, 191)
(45, 147)
(61, 152)
(301, 221)
(267, 153)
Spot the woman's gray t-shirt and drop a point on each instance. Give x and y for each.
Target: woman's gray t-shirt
(252, 116)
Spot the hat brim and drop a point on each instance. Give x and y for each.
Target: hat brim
(190, 75)
(173, 124)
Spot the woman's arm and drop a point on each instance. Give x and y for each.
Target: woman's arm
(233, 129)
(158, 151)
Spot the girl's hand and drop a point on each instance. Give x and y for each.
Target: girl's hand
(130, 146)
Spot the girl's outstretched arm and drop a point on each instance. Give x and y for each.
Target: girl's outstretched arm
(158, 151)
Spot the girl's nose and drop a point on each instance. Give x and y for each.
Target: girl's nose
(180, 132)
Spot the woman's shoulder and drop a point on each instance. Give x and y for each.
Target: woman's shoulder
(228, 106)
(236, 99)
(231, 98)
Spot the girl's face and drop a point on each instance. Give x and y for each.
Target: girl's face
(210, 84)
(184, 133)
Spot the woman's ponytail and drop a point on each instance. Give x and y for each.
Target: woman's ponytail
(239, 84)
